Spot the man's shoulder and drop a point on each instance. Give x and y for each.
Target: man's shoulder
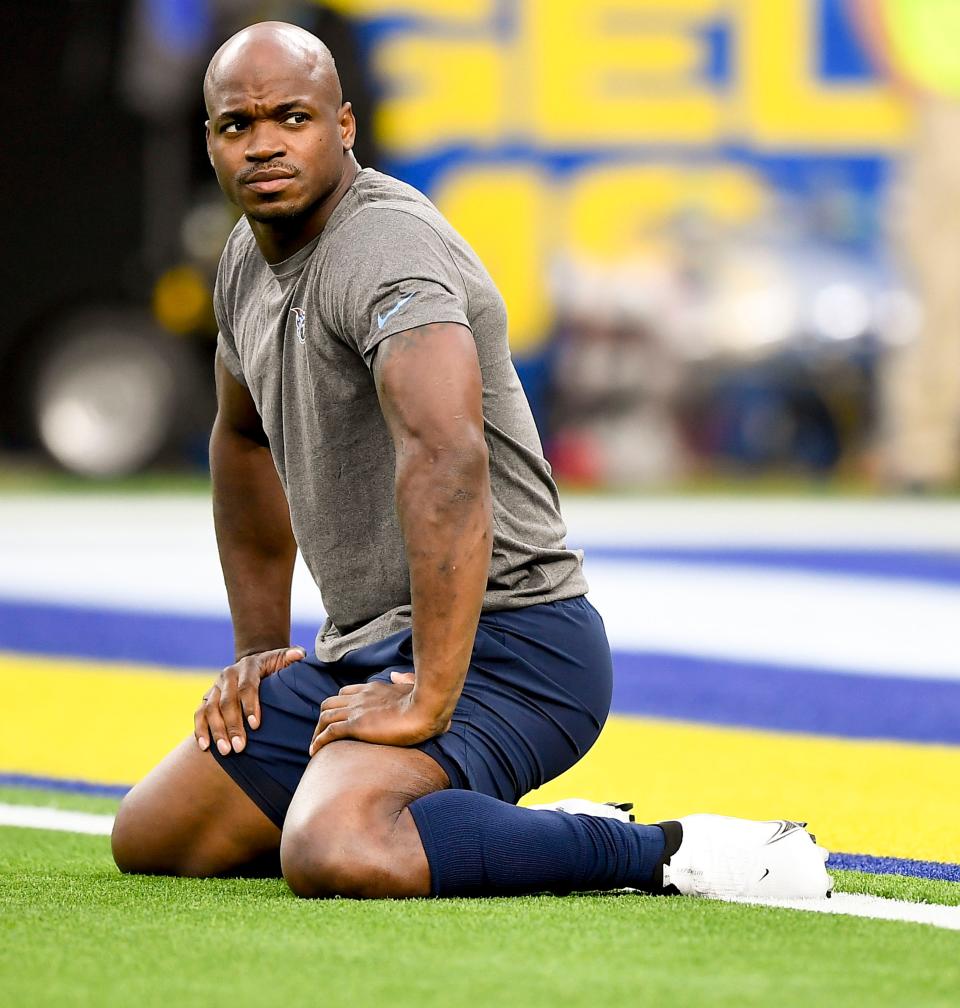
(375, 190)
(238, 244)
(236, 257)
(233, 260)
(383, 206)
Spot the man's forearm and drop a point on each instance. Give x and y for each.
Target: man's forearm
(443, 500)
(256, 544)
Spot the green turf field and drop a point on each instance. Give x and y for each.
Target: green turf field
(33, 476)
(75, 932)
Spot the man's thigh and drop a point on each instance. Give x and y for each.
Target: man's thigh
(275, 757)
(391, 776)
(188, 817)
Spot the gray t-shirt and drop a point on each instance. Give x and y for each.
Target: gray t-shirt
(302, 335)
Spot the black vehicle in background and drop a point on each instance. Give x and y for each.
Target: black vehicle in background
(114, 224)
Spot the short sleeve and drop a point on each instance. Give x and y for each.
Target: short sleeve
(395, 272)
(230, 357)
(226, 344)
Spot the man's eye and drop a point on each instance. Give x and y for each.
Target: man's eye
(298, 118)
(232, 127)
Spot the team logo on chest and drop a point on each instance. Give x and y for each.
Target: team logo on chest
(301, 318)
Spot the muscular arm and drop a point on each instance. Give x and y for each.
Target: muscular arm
(428, 381)
(252, 520)
(430, 390)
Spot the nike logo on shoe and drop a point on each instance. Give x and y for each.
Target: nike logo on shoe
(381, 319)
(784, 828)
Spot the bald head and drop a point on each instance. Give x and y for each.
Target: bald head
(259, 52)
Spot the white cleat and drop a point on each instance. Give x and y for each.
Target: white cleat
(582, 806)
(720, 857)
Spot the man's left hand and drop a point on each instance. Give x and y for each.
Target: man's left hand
(379, 712)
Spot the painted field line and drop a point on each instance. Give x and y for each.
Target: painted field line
(36, 817)
(877, 907)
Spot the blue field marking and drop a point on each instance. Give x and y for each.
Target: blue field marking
(68, 786)
(177, 641)
(685, 687)
(785, 698)
(932, 567)
(895, 866)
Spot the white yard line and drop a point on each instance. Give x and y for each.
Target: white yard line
(35, 817)
(849, 904)
(878, 907)
(836, 623)
(763, 522)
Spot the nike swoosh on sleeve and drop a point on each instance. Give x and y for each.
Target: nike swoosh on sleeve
(381, 319)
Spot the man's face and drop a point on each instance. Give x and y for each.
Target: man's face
(276, 136)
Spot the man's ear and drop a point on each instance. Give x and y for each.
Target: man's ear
(206, 130)
(348, 126)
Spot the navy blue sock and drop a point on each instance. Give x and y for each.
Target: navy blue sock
(478, 846)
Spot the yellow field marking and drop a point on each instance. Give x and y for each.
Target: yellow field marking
(860, 796)
(95, 721)
(110, 723)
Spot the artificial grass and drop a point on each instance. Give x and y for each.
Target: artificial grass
(30, 474)
(900, 887)
(55, 798)
(916, 890)
(75, 932)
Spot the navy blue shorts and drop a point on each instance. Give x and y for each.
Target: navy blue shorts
(535, 698)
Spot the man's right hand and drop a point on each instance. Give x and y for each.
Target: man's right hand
(235, 696)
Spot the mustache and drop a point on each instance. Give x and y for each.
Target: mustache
(284, 166)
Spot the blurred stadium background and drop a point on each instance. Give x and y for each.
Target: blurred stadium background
(725, 229)
(728, 233)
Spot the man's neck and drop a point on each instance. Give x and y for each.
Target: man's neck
(279, 240)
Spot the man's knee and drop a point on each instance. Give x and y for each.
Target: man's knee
(336, 851)
(141, 844)
(132, 840)
(348, 831)
(188, 817)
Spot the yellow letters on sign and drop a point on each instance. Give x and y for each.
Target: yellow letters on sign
(442, 91)
(599, 75)
(784, 104)
(448, 11)
(604, 78)
(506, 214)
(612, 211)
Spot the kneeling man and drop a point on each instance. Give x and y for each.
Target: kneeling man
(369, 414)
